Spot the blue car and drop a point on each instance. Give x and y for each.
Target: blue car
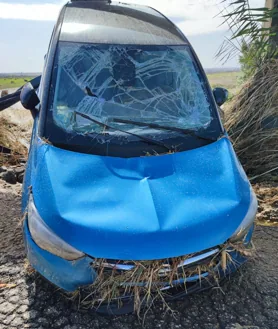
(129, 162)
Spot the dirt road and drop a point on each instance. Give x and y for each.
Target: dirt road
(249, 300)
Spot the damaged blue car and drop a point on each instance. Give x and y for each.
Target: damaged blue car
(132, 186)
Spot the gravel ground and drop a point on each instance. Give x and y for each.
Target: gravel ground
(249, 300)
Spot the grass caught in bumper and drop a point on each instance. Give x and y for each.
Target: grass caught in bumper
(122, 291)
(132, 286)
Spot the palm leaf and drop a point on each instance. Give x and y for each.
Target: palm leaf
(246, 25)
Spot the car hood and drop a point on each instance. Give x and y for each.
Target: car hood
(141, 208)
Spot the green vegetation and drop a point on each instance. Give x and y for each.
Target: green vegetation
(249, 59)
(13, 82)
(254, 34)
(228, 80)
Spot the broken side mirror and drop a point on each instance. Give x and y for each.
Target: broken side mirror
(221, 95)
(28, 96)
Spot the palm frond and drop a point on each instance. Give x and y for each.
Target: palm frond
(247, 26)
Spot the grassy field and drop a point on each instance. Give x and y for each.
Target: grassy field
(228, 80)
(13, 82)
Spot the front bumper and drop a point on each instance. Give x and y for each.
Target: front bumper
(71, 275)
(68, 275)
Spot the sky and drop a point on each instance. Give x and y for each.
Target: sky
(26, 27)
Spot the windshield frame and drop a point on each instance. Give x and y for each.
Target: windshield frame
(89, 145)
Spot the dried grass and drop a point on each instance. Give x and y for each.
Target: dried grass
(267, 194)
(146, 282)
(250, 121)
(9, 138)
(29, 270)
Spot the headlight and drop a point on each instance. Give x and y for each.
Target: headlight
(45, 238)
(248, 220)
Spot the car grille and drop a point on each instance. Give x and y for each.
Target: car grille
(201, 261)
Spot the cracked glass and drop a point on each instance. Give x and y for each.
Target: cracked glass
(114, 84)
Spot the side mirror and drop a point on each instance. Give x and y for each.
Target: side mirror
(28, 97)
(221, 95)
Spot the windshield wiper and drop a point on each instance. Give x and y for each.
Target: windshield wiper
(145, 139)
(156, 126)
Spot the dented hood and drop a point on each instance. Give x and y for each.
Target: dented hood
(141, 208)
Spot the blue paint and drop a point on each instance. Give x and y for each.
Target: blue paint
(29, 167)
(68, 275)
(140, 208)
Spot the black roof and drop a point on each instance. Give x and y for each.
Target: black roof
(117, 23)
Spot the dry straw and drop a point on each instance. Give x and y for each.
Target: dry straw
(145, 282)
(9, 138)
(252, 122)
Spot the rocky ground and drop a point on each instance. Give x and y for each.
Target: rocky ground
(249, 300)
(12, 174)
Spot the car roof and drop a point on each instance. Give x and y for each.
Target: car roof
(117, 23)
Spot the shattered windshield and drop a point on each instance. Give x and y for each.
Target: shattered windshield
(149, 84)
(128, 100)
